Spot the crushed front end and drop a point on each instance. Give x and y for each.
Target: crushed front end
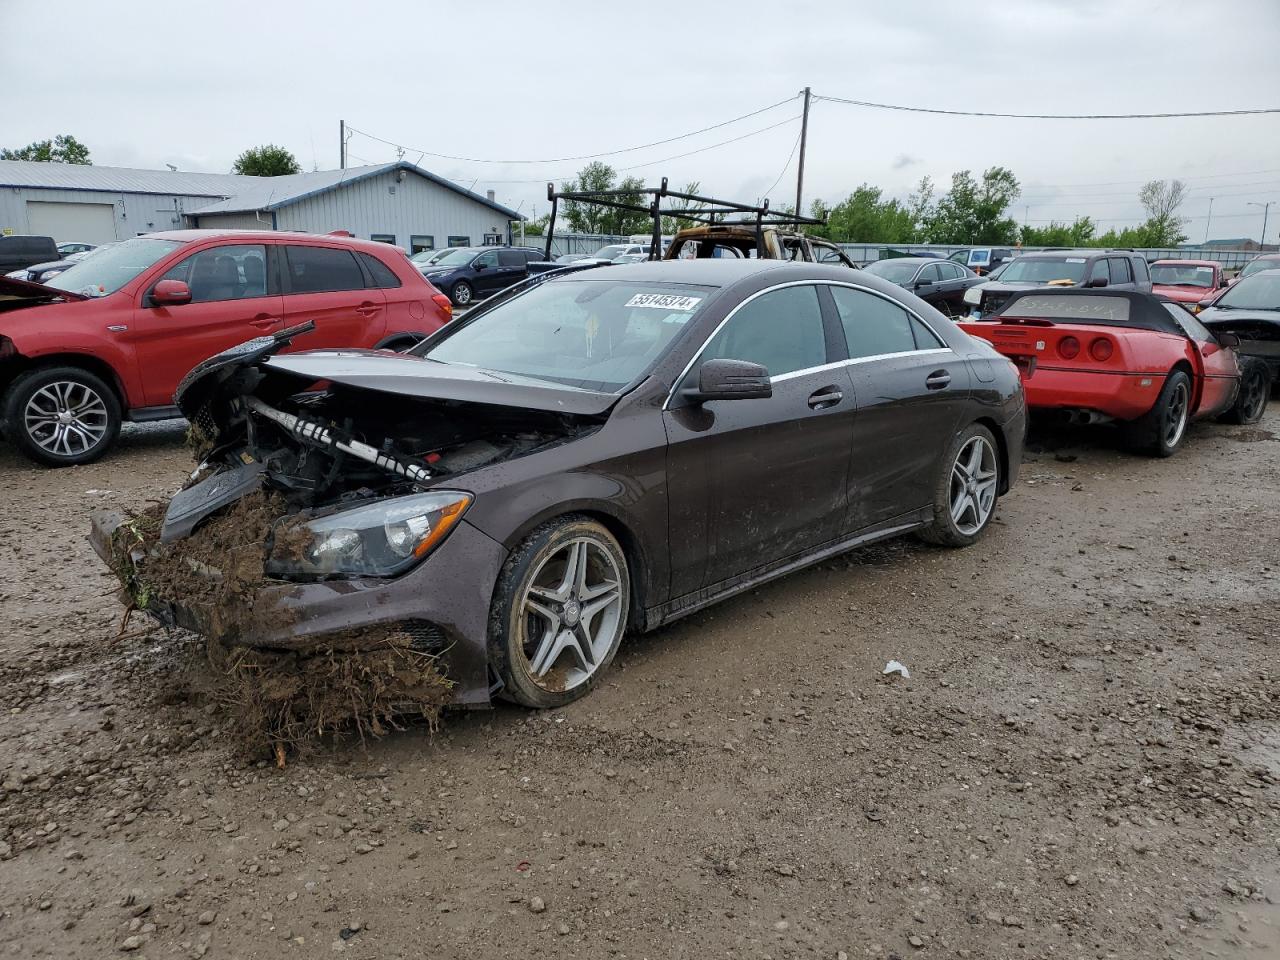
(322, 545)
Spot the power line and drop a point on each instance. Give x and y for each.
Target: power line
(678, 156)
(586, 156)
(782, 172)
(1049, 116)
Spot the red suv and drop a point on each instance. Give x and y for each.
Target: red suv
(110, 338)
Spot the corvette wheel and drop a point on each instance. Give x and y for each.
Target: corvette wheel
(560, 611)
(1255, 391)
(1160, 431)
(965, 495)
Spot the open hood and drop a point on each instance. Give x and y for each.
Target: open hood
(11, 289)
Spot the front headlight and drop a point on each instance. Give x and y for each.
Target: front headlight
(379, 539)
(973, 296)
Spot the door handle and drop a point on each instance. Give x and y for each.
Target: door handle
(937, 380)
(367, 309)
(264, 320)
(826, 397)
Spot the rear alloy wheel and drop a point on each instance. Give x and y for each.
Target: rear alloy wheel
(966, 493)
(462, 294)
(1160, 431)
(62, 416)
(560, 611)
(1255, 391)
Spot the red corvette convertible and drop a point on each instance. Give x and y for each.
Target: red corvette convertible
(1136, 358)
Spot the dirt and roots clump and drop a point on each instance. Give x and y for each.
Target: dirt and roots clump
(359, 680)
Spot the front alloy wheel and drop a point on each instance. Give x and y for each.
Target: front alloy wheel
(561, 609)
(62, 416)
(462, 293)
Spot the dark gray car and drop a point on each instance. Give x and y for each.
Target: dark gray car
(940, 283)
(605, 450)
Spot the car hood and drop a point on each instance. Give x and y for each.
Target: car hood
(11, 289)
(1219, 315)
(1000, 286)
(1182, 294)
(382, 371)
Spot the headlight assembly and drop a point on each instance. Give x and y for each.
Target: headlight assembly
(380, 539)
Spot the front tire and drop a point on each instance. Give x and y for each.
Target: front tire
(61, 416)
(1160, 431)
(559, 612)
(1255, 390)
(462, 294)
(967, 489)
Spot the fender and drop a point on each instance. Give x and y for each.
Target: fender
(76, 347)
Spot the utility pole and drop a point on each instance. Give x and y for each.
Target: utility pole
(1266, 209)
(1208, 220)
(342, 144)
(804, 135)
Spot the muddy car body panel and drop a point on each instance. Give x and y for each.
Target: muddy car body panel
(706, 497)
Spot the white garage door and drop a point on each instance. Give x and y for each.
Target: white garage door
(65, 222)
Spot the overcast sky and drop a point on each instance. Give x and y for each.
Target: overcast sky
(149, 82)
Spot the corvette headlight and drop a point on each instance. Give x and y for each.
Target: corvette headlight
(379, 539)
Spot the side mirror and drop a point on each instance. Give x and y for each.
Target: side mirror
(1222, 282)
(1227, 340)
(479, 266)
(730, 380)
(1097, 282)
(170, 293)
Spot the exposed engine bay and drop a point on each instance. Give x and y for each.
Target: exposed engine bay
(324, 444)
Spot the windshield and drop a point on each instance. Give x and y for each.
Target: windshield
(1259, 292)
(108, 271)
(1044, 269)
(1258, 264)
(595, 334)
(611, 251)
(456, 258)
(1181, 275)
(895, 271)
(428, 256)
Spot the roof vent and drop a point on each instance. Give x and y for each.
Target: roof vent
(489, 194)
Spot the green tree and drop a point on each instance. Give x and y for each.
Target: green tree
(866, 217)
(674, 223)
(973, 211)
(597, 177)
(63, 148)
(266, 161)
(1161, 199)
(1079, 233)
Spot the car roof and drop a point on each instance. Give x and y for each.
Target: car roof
(255, 236)
(1174, 262)
(726, 271)
(1146, 310)
(1059, 254)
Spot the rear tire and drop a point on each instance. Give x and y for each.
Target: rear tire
(1160, 431)
(1255, 390)
(61, 416)
(462, 294)
(967, 489)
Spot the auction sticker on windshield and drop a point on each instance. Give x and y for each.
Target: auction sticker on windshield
(663, 301)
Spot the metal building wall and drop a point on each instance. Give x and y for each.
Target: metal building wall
(234, 221)
(384, 205)
(135, 213)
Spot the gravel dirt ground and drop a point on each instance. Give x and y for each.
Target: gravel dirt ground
(1084, 761)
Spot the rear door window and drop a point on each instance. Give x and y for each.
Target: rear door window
(781, 330)
(510, 258)
(873, 326)
(321, 269)
(1120, 272)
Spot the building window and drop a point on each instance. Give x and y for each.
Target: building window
(420, 242)
(459, 241)
(383, 238)
(493, 239)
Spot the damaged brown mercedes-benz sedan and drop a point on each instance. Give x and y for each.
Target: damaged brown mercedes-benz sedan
(592, 453)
